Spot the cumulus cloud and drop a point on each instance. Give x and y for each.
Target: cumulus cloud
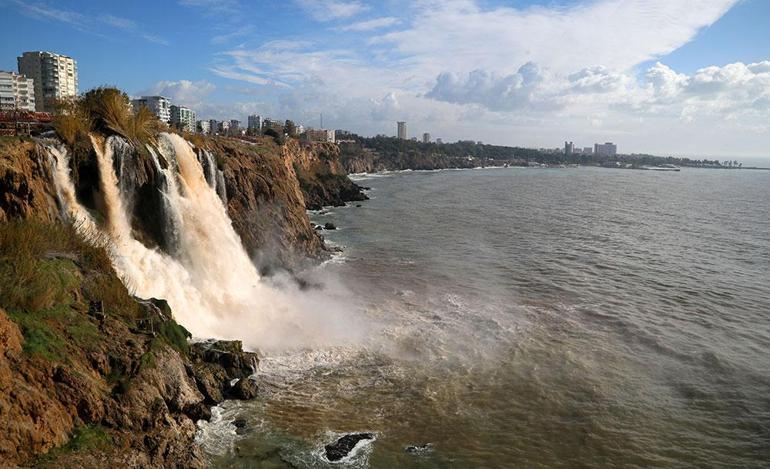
(520, 90)
(185, 92)
(545, 71)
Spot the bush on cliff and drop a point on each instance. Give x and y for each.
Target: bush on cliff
(108, 111)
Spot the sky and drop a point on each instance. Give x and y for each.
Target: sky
(667, 77)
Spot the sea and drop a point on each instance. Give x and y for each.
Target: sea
(529, 317)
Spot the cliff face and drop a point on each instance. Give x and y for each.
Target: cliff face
(90, 376)
(321, 175)
(265, 202)
(270, 186)
(25, 188)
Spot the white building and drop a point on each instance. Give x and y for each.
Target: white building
(16, 92)
(426, 137)
(606, 149)
(254, 124)
(158, 105)
(223, 128)
(204, 127)
(320, 135)
(401, 127)
(55, 77)
(183, 118)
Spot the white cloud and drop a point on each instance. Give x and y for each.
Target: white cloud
(327, 10)
(371, 25)
(530, 76)
(184, 92)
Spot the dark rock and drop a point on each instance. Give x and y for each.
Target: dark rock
(210, 379)
(329, 226)
(358, 205)
(241, 427)
(198, 411)
(229, 355)
(244, 389)
(343, 446)
(318, 227)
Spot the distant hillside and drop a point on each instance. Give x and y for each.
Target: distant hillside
(372, 154)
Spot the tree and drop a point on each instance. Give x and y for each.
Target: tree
(289, 128)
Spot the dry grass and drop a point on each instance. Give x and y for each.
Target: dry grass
(107, 111)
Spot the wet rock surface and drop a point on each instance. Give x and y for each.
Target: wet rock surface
(343, 446)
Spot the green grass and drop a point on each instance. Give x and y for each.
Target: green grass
(175, 335)
(85, 438)
(48, 273)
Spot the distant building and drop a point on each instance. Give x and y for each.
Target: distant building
(401, 129)
(606, 149)
(223, 128)
(320, 135)
(587, 150)
(275, 126)
(254, 124)
(158, 105)
(426, 137)
(16, 92)
(569, 148)
(55, 77)
(203, 127)
(183, 118)
(235, 125)
(213, 126)
(439, 141)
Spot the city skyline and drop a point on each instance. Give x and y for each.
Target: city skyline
(688, 79)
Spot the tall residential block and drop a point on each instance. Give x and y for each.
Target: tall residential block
(203, 127)
(569, 148)
(183, 118)
(16, 92)
(235, 127)
(401, 127)
(606, 149)
(158, 105)
(426, 137)
(254, 124)
(55, 77)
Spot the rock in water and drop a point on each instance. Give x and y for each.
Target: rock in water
(345, 445)
(244, 389)
(329, 226)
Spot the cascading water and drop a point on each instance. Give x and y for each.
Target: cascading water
(208, 279)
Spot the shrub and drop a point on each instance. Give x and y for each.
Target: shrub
(108, 111)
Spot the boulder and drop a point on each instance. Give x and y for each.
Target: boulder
(229, 355)
(244, 389)
(329, 226)
(343, 446)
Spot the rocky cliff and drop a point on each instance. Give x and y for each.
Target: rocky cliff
(269, 186)
(91, 376)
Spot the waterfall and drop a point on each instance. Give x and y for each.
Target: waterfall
(214, 177)
(208, 279)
